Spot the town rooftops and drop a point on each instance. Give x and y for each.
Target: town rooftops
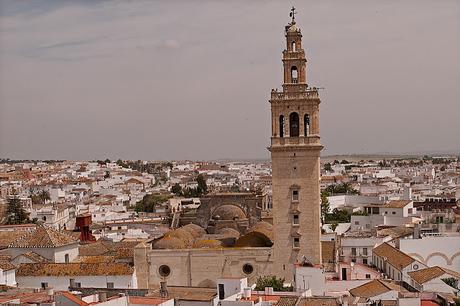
(374, 288)
(43, 237)
(74, 269)
(393, 256)
(424, 275)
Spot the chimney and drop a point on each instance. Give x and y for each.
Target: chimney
(102, 296)
(163, 289)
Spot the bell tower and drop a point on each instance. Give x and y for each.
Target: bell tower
(295, 155)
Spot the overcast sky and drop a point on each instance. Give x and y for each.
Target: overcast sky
(191, 79)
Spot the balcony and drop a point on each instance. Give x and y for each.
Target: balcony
(302, 140)
(311, 93)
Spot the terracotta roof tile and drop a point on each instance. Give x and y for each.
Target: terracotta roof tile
(287, 301)
(314, 301)
(394, 257)
(43, 237)
(373, 288)
(34, 257)
(424, 275)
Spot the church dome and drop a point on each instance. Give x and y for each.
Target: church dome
(260, 235)
(228, 212)
(169, 243)
(195, 230)
(292, 28)
(229, 232)
(207, 243)
(185, 236)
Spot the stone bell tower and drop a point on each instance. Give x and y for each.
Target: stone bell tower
(295, 154)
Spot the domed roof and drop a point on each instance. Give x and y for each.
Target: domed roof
(228, 232)
(263, 228)
(260, 235)
(169, 243)
(196, 230)
(181, 234)
(207, 243)
(292, 28)
(229, 212)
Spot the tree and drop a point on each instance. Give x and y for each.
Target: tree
(324, 206)
(339, 216)
(176, 189)
(202, 186)
(271, 281)
(41, 197)
(149, 201)
(328, 167)
(15, 213)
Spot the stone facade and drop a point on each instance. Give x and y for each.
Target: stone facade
(295, 153)
(200, 267)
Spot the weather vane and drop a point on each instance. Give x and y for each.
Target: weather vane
(292, 14)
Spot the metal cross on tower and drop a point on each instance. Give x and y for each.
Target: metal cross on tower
(292, 14)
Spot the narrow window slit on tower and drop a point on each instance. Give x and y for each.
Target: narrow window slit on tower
(295, 195)
(294, 74)
(293, 46)
(281, 126)
(306, 122)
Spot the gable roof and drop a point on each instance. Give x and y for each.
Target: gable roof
(397, 204)
(374, 288)
(424, 275)
(287, 301)
(33, 257)
(6, 265)
(72, 298)
(43, 237)
(74, 269)
(394, 257)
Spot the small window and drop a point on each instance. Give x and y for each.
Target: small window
(353, 251)
(164, 270)
(295, 195)
(393, 213)
(248, 269)
(44, 285)
(353, 260)
(368, 276)
(78, 285)
(364, 261)
(66, 258)
(365, 251)
(356, 222)
(295, 219)
(110, 285)
(386, 213)
(296, 242)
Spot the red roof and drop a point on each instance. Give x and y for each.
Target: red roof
(429, 303)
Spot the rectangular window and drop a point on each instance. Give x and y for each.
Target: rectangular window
(77, 285)
(66, 258)
(364, 261)
(44, 285)
(295, 219)
(364, 251)
(110, 285)
(296, 242)
(356, 222)
(393, 213)
(368, 276)
(353, 251)
(295, 195)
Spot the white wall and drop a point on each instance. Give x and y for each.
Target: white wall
(441, 251)
(63, 282)
(8, 277)
(310, 278)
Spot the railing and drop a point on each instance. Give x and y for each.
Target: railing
(309, 94)
(293, 54)
(302, 140)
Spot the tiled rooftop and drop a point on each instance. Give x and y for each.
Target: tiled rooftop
(43, 237)
(394, 257)
(74, 269)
